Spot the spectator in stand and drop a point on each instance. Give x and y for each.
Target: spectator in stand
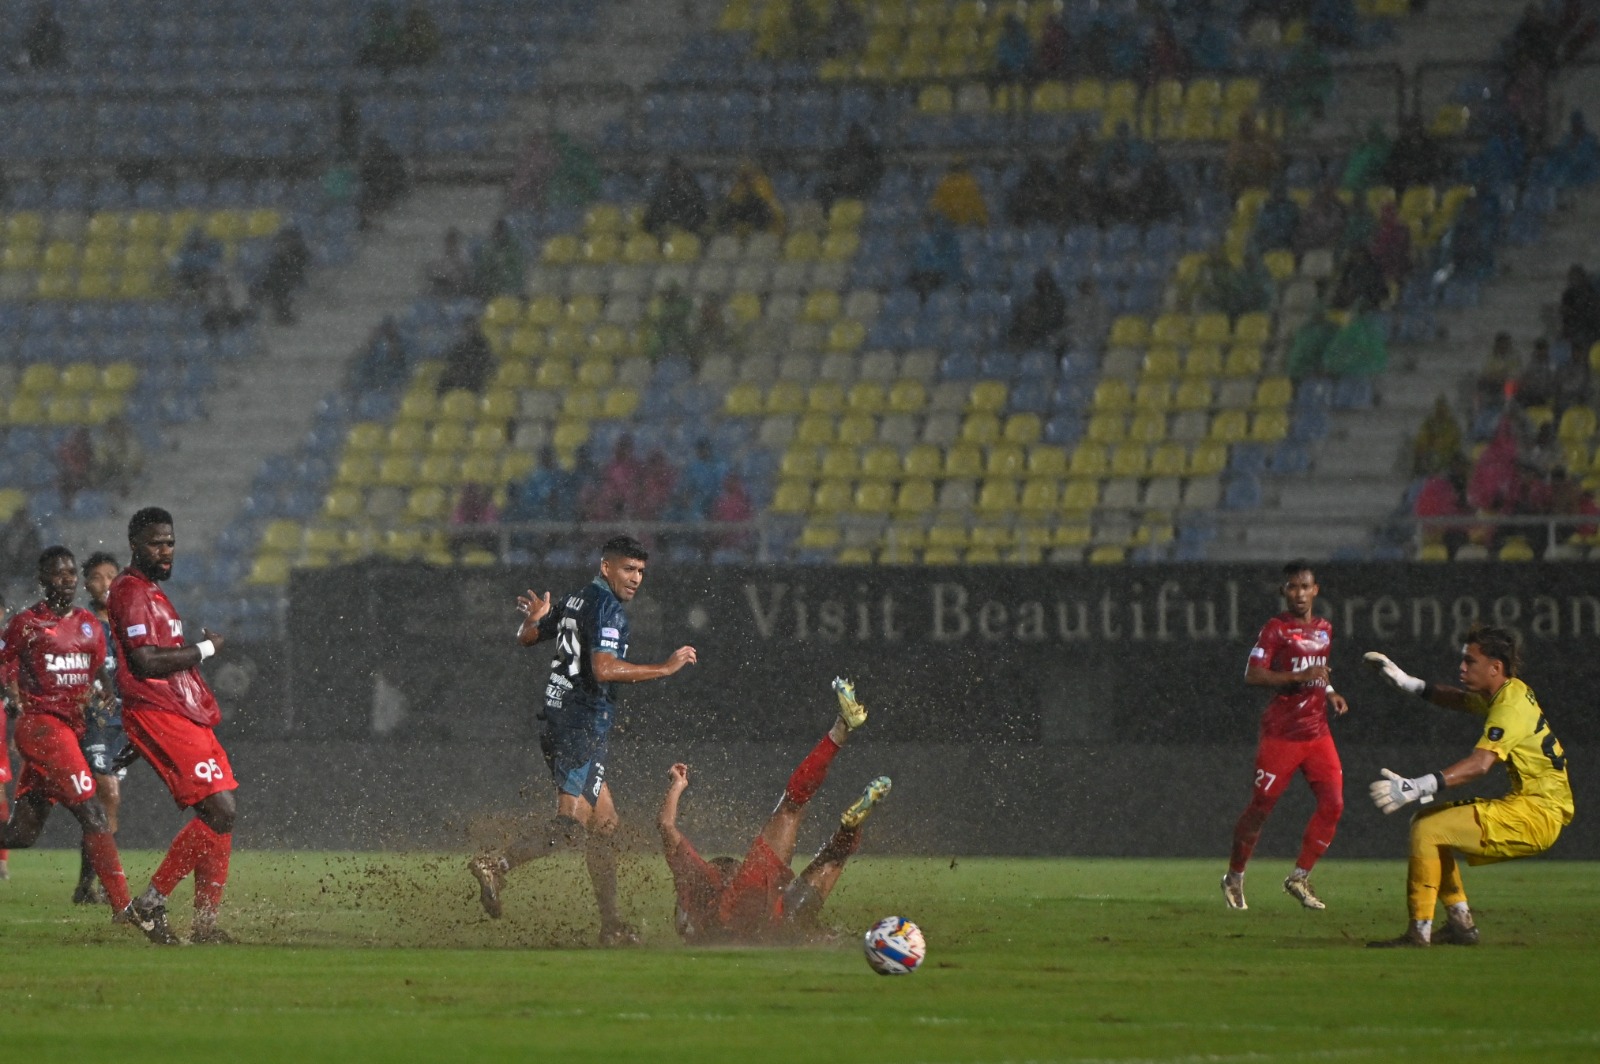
(575, 181)
(618, 481)
(19, 547)
(1568, 498)
(936, 258)
(1253, 159)
(197, 263)
(74, 463)
(285, 273)
(1495, 484)
(1040, 317)
(667, 326)
(1366, 164)
(1156, 197)
(450, 275)
(1333, 23)
(1391, 245)
(733, 506)
(958, 198)
(1415, 158)
(468, 363)
(1536, 384)
(853, 169)
(384, 48)
(712, 335)
(701, 481)
(1572, 381)
(118, 456)
(751, 205)
(44, 47)
(653, 493)
(382, 366)
(1323, 222)
(1054, 57)
(499, 268)
(1575, 159)
(1442, 496)
(1360, 286)
(1278, 220)
(383, 179)
(846, 33)
(1470, 244)
(1165, 58)
(1088, 319)
(419, 37)
(1580, 311)
(678, 202)
(1306, 84)
(1226, 288)
(1013, 52)
(1495, 384)
(1077, 180)
(1438, 442)
(474, 508)
(1541, 457)
(1038, 198)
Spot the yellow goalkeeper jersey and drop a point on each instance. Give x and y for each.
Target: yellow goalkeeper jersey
(1515, 731)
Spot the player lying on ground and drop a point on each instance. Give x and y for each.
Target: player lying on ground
(59, 650)
(760, 898)
(590, 632)
(1291, 658)
(1525, 822)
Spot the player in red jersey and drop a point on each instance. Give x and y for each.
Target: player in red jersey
(169, 715)
(1291, 656)
(59, 653)
(8, 709)
(760, 898)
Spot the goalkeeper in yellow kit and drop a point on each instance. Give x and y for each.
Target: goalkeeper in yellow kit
(1525, 822)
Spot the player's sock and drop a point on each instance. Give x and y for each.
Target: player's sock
(1300, 873)
(85, 865)
(102, 852)
(1424, 929)
(210, 877)
(808, 777)
(560, 834)
(1245, 833)
(188, 848)
(1459, 911)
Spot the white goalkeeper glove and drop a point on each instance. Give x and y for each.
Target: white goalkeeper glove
(1393, 674)
(1394, 790)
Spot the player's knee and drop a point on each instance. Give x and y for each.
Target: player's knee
(92, 815)
(217, 812)
(1330, 805)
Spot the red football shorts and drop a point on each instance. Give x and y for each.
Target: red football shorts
(753, 900)
(184, 754)
(1278, 759)
(52, 761)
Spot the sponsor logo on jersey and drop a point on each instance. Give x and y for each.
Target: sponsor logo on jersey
(175, 628)
(1496, 734)
(610, 633)
(85, 629)
(136, 630)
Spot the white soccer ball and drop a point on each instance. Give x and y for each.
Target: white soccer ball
(895, 946)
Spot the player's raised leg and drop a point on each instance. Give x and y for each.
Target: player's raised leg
(803, 899)
(784, 824)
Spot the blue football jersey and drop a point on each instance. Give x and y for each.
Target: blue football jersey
(586, 622)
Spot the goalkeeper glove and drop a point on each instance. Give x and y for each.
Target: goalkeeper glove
(1394, 790)
(1393, 674)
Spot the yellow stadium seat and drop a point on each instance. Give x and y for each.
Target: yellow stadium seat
(1172, 329)
(910, 396)
(963, 460)
(1160, 363)
(988, 397)
(1152, 395)
(923, 460)
(447, 436)
(840, 246)
(580, 404)
(1106, 428)
(1192, 393)
(397, 470)
(832, 497)
(118, 377)
(857, 429)
(1129, 460)
(1516, 549)
(1147, 427)
(935, 100)
(880, 463)
(502, 312)
(744, 400)
(786, 397)
(596, 373)
(1577, 424)
(1088, 460)
(867, 397)
(997, 496)
(1269, 426)
(39, 378)
(820, 537)
(1208, 459)
(1023, 429)
(342, 503)
(845, 336)
(1005, 460)
(1230, 426)
(356, 469)
(426, 503)
(1244, 360)
(418, 406)
(821, 307)
(815, 428)
(1047, 461)
(281, 536)
(914, 497)
(874, 497)
(25, 410)
(1130, 330)
(1253, 329)
(846, 214)
(826, 397)
(227, 226)
(1112, 395)
(582, 310)
(980, 428)
(268, 570)
(458, 404)
(365, 437)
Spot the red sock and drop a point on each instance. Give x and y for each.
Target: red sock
(812, 771)
(211, 875)
(188, 847)
(102, 851)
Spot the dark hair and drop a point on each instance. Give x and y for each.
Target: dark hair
(1499, 644)
(51, 554)
(1296, 567)
(99, 558)
(150, 515)
(726, 867)
(624, 547)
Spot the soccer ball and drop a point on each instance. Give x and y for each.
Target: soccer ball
(894, 946)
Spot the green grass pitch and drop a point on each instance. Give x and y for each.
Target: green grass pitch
(388, 958)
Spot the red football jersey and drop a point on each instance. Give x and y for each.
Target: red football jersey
(57, 660)
(143, 616)
(1288, 644)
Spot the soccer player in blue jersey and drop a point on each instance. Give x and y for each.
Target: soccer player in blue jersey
(103, 742)
(590, 631)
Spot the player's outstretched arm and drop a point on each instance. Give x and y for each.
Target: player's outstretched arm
(608, 668)
(1393, 790)
(164, 661)
(533, 609)
(1396, 677)
(667, 818)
